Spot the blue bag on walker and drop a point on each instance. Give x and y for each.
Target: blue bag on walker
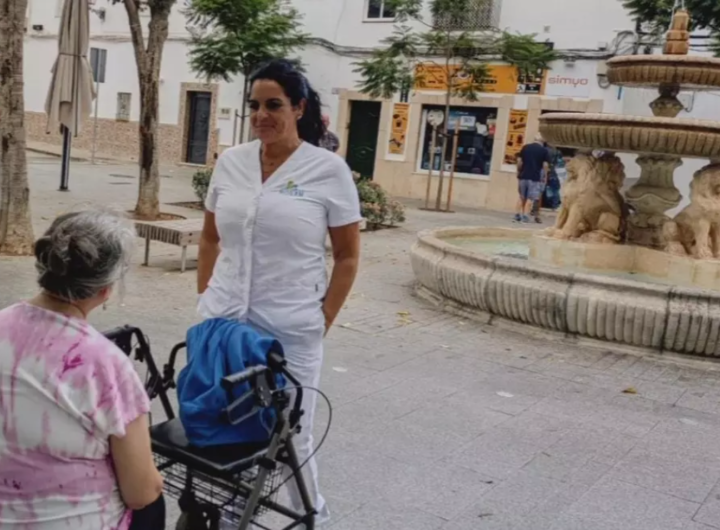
(217, 348)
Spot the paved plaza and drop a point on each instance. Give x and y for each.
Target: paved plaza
(443, 423)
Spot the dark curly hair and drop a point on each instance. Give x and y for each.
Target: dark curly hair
(297, 88)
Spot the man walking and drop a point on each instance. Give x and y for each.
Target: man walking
(533, 167)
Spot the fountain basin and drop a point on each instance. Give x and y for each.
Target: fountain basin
(633, 134)
(539, 292)
(628, 261)
(652, 71)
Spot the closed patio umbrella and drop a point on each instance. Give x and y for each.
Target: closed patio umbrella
(69, 100)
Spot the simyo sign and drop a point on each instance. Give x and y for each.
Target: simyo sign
(574, 81)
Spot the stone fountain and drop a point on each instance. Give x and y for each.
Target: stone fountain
(661, 142)
(614, 268)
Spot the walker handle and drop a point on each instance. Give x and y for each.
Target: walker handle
(278, 364)
(229, 382)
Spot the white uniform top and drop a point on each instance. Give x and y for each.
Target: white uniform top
(271, 269)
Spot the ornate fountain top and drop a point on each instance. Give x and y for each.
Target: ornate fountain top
(671, 72)
(678, 37)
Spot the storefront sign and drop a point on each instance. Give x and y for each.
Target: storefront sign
(516, 135)
(462, 120)
(574, 81)
(501, 79)
(398, 132)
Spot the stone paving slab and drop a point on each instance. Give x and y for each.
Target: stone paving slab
(612, 504)
(446, 424)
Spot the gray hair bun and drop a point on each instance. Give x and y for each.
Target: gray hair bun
(83, 252)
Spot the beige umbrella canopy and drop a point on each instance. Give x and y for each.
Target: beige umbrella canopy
(69, 100)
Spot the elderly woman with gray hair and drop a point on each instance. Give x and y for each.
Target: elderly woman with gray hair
(74, 442)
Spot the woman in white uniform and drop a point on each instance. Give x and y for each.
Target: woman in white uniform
(269, 208)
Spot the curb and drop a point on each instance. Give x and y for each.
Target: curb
(53, 154)
(73, 158)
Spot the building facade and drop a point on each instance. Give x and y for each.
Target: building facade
(390, 141)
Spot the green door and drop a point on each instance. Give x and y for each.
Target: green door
(363, 136)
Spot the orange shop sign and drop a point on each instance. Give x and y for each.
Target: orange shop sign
(501, 79)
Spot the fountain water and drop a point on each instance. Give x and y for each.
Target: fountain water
(613, 268)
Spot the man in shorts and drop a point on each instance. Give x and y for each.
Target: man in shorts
(533, 166)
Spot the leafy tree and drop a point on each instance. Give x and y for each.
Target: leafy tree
(655, 15)
(463, 55)
(234, 37)
(148, 58)
(16, 232)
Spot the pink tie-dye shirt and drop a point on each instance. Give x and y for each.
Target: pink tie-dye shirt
(64, 390)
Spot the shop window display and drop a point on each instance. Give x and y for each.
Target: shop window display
(476, 138)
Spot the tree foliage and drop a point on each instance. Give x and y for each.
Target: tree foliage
(657, 13)
(525, 53)
(465, 55)
(151, 5)
(655, 16)
(233, 37)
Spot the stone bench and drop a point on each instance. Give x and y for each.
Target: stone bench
(181, 233)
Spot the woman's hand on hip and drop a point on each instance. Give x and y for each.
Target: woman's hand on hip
(328, 320)
(346, 254)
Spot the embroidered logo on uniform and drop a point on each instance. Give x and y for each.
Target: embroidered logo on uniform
(292, 189)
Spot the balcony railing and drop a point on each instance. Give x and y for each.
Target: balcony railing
(482, 15)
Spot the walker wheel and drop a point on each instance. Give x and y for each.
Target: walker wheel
(194, 521)
(183, 522)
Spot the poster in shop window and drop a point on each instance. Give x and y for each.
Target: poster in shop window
(516, 135)
(461, 120)
(398, 131)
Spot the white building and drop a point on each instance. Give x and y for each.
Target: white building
(198, 119)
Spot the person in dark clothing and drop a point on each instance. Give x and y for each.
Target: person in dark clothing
(533, 166)
(329, 140)
(150, 517)
(550, 191)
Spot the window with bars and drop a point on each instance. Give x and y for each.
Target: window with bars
(483, 14)
(379, 10)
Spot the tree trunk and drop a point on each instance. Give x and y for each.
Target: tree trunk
(149, 61)
(16, 233)
(446, 128)
(243, 107)
(148, 203)
(446, 131)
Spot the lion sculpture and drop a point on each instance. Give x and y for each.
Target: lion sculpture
(592, 208)
(696, 230)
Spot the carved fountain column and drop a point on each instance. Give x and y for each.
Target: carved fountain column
(655, 193)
